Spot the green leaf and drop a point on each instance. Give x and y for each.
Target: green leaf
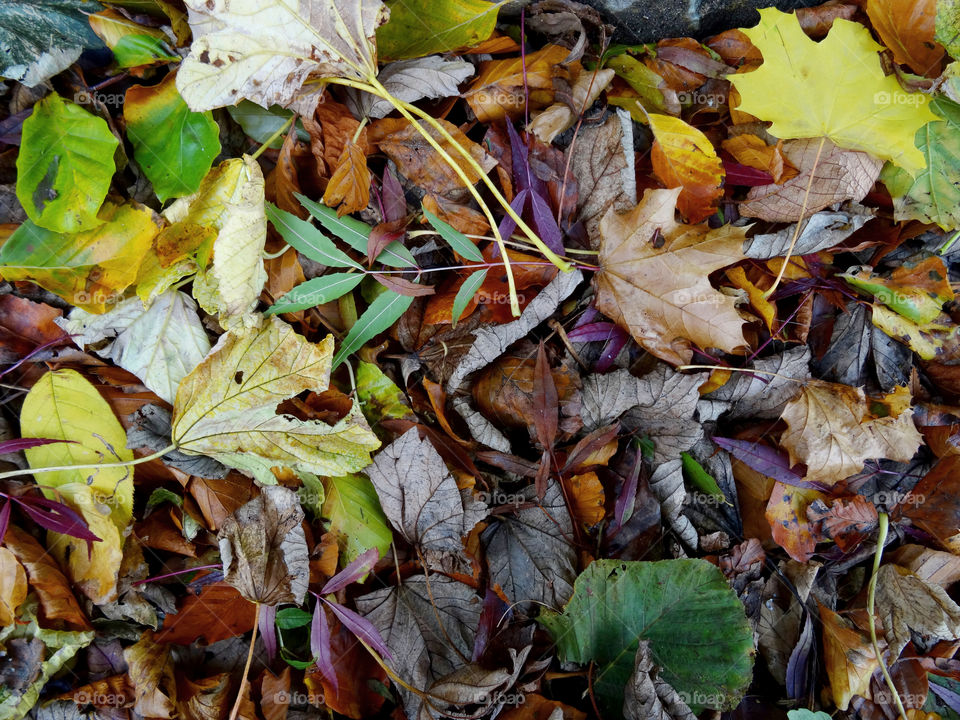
(458, 241)
(804, 714)
(355, 517)
(383, 312)
(465, 294)
(643, 80)
(316, 292)
(356, 234)
(41, 38)
(703, 480)
(309, 240)
(260, 123)
(132, 44)
(380, 398)
(935, 703)
(948, 26)
(424, 27)
(695, 624)
(290, 618)
(173, 145)
(64, 166)
(933, 196)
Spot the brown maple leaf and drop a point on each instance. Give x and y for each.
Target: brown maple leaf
(662, 295)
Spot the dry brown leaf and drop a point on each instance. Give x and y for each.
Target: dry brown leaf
(754, 152)
(331, 127)
(586, 495)
(597, 161)
(349, 186)
(662, 295)
(935, 566)
(218, 612)
(151, 673)
(561, 116)
(650, 697)
(264, 549)
(831, 431)
(13, 586)
(849, 658)
(462, 217)
(838, 175)
(498, 89)
(284, 181)
(907, 27)
(206, 699)
(906, 603)
(275, 694)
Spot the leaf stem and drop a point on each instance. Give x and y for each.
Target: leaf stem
(246, 668)
(95, 466)
(884, 523)
(270, 140)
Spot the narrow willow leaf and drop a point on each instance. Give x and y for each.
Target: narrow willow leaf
(316, 292)
(465, 294)
(382, 313)
(356, 234)
(458, 241)
(309, 240)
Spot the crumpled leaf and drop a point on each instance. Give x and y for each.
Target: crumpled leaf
(348, 189)
(13, 586)
(837, 176)
(412, 80)
(424, 27)
(683, 157)
(831, 429)
(598, 162)
(264, 52)
(917, 291)
(908, 604)
(151, 672)
(159, 345)
(503, 87)
(849, 658)
(561, 116)
(821, 231)
(799, 78)
(264, 549)
(666, 484)
(662, 295)
(227, 407)
(763, 395)
(230, 199)
(649, 697)
(432, 513)
(530, 556)
(472, 686)
(429, 625)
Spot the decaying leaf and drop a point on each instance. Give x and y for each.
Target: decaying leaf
(598, 161)
(13, 586)
(151, 671)
(411, 80)
(849, 658)
(264, 550)
(348, 189)
(649, 697)
(227, 407)
(662, 294)
(908, 604)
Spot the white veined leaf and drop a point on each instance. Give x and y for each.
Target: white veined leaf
(458, 241)
(307, 239)
(466, 293)
(383, 312)
(316, 292)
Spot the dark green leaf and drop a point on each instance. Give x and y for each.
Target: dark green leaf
(316, 292)
(458, 241)
(466, 293)
(291, 617)
(383, 312)
(309, 240)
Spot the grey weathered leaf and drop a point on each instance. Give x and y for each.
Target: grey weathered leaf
(660, 404)
(778, 629)
(906, 603)
(666, 483)
(150, 429)
(846, 357)
(412, 80)
(481, 429)
(420, 496)
(529, 552)
(598, 163)
(892, 360)
(650, 697)
(491, 341)
(824, 230)
(472, 689)
(761, 395)
(429, 626)
(160, 344)
(264, 549)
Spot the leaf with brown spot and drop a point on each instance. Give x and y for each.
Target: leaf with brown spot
(349, 187)
(787, 514)
(151, 672)
(848, 521)
(906, 604)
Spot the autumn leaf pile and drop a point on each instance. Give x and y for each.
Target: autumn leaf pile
(436, 359)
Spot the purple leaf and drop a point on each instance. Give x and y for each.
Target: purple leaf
(394, 202)
(594, 332)
(767, 461)
(18, 444)
(4, 518)
(589, 315)
(360, 566)
(320, 646)
(361, 627)
(522, 177)
(948, 696)
(494, 610)
(610, 352)
(546, 224)
(798, 665)
(268, 629)
(737, 174)
(623, 508)
(55, 516)
(507, 225)
(36, 351)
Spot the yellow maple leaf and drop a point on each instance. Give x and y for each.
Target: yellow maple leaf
(834, 88)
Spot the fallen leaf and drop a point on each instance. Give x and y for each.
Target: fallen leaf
(560, 117)
(598, 162)
(754, 152)
(662, 295)
(216, 613)
(226, 407)
(151, 672)
(160, 345)
(473, 688)
(847, 521)
(907, 27)
(498, 89)
(412, 80)
(683, 157)
(875, 115)
(424, 27)
(13, 585)
(917, 291)
(206, 699)
(831, 430)
(838, 175)
(349, 187)
(648, 696)
(355, 516)
(907, 604)
(133, 45)
(821, 231)
(264, 549)
(933, 566)
(849, 658)
(231, 39)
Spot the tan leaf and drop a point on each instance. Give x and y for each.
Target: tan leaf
(264, 549)
(906, 603)
(151, 673)
(754, 152)
(13, 586)
(838, 175)
(650, 697)
(662, 295)
(597, 161)
(349, 186)
(498, 89)
(206, 699)
(935, 566)
(831, 431)
(849, 658)
(561, 116)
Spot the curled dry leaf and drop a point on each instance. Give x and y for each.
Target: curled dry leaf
(649, 697)
(849, 657)
(349, 187)
(412, 80)
(754, 152)
(561, 116)
(13, 586)
(908, 604)
(503, 87)
(151, 672)
(662, 295)
(264, 549)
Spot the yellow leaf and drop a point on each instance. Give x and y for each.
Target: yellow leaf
(498, 89)
(231, 200)
(227, 407)
(349, 186)
(849, 658)
(835, 88)
(13, 586)
(683, 157)
(662, 295)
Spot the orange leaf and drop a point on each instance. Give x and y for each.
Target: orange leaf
(217, 613)
(907, 27)
(683, 157)
(849, 658)
(787, 515)
(752, 151)
(13, 586)
(349, 187)
(498, 89)
(587, 495)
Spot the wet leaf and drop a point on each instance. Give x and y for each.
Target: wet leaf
(132, 44)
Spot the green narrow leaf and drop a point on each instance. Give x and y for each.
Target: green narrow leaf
(703, 480)
(64, 166)
(309, 240)
(458, 241)
(356, 234)
(316, 292)
(173, 145)
(466, 293)
(382, 313)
